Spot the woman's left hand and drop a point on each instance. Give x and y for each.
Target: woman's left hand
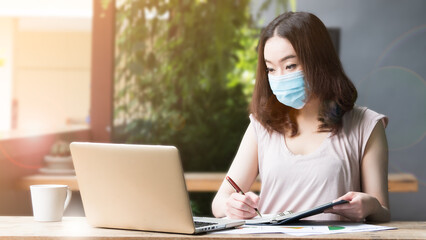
(359, 207)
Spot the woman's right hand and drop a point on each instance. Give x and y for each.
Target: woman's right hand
(240, 206)
(243, 170)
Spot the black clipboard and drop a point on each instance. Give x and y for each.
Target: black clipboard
(289, 217)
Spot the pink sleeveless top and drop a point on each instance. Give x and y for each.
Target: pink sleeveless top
(299, 182)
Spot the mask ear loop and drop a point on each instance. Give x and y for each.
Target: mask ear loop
(308, 91)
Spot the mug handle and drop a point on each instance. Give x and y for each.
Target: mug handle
(68, 199)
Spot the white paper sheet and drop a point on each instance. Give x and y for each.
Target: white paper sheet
(306, 229)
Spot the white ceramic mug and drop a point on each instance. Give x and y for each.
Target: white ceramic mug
(49, 201)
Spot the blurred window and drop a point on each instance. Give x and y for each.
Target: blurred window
(45, 52)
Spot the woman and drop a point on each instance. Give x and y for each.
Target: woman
(307, 141)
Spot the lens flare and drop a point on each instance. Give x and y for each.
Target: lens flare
(412, 39)
(16, 163)
(399, 93)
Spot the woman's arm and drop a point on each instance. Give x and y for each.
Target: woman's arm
(373, 203)
(374, 174)
(243, 171)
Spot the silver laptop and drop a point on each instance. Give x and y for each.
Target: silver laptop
(140, 187)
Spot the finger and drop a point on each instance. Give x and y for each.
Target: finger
(254, 198)
(329, 210)
(246, 199)
(354, 203)
(238, 213)
(234, 215)
(241, 207)
(353, 213)
(348, 196)
(343, 206)
(240, 202)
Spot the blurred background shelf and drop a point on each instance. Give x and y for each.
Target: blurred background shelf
(210, 182)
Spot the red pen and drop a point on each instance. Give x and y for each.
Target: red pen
(238, 190)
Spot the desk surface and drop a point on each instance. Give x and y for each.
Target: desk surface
(78, 228)
(210, 182)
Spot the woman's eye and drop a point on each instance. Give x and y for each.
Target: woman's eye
(269, 70)
(292, 66)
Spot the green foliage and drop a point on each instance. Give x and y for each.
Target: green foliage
(184, 75)
(60, 148)
(280, 6)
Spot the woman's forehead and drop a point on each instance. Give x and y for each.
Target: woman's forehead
(277, 48)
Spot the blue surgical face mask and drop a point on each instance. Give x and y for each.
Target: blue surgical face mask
(289, 89)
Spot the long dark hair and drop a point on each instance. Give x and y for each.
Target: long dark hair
(322, 69)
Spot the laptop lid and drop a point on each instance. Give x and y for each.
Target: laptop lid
(138, 187)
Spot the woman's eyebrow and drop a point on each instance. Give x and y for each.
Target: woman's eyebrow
(282, 59)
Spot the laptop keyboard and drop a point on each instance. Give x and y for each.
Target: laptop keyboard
(203, 224)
